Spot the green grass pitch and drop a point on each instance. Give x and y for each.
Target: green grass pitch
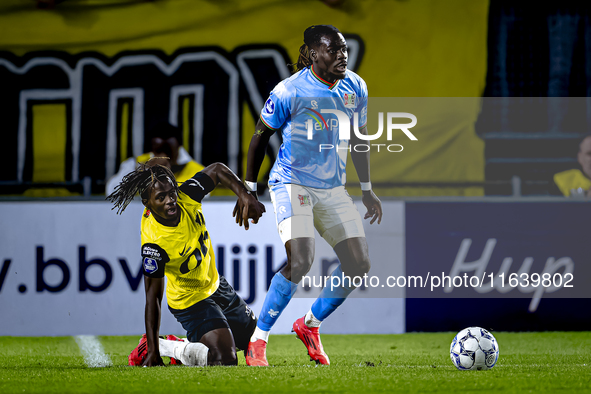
(414, 362)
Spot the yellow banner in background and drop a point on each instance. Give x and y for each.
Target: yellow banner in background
(419, 48)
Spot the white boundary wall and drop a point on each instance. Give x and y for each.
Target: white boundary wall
(37, 232)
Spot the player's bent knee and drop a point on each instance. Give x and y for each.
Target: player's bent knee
(300, 268)
(300, 257)
(222, 350)
(356, 268)
(354, 262)
(219, 356)
(364, 265)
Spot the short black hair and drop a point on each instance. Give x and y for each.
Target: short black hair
(314, 33)
(312, 38)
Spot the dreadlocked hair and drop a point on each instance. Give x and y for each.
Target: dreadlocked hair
(304, 59)
(140, 181)
(312, 37)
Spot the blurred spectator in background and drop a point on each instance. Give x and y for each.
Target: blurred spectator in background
(166, 143)
(574, 183)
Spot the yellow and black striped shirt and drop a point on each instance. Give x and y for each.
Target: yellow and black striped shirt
(183, 253)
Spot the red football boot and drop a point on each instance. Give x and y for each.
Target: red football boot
(138, 355)
(174, 361)
(256, 354)
(311, 338)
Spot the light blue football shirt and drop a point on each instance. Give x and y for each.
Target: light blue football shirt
(295, 106)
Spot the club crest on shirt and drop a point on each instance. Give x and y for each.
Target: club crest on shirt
(314, 104)
(350, 99)
(150, 265)
(269, 106)
(304, 200)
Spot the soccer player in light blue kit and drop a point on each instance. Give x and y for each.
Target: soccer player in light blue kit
(307, 182)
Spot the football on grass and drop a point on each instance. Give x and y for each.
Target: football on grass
(474, 348)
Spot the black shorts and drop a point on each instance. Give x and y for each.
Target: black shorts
(222, 309)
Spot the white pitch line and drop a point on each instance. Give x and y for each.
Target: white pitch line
(364, 365)
(93, 352)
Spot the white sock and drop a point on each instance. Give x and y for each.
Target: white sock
(259, 334)
(167, 347)
(311, 320)
(192, 354)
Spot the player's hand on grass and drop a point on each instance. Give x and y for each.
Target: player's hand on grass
(153, 360)
(373, 205)
(248, 207)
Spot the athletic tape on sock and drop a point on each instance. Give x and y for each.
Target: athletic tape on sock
(194, 354)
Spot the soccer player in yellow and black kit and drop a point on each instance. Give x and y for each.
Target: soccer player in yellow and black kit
(175, 243)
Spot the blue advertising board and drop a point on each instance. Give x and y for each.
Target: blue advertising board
(506, 265)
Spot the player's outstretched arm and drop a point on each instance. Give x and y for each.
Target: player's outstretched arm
(154, 292)
(361, 163)
(247, 207)
(256, 151)
(255, 157)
